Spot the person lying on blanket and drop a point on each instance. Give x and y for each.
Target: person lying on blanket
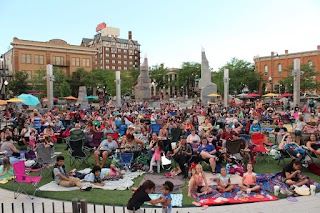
(63, 178)
(291, 174)
(224, 182)
(249, 180)
(199, 182)
(95, 177)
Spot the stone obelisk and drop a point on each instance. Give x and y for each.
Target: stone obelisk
(205, 85)
(142, 90)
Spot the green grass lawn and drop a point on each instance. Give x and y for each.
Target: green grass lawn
(116, 197)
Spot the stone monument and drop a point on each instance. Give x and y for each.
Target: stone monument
(82, 97)
(142, 90)
(205, 85)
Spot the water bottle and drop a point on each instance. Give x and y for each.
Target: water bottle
(228, 168)
(22, 155)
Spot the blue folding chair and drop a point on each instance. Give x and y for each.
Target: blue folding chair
(156, 128)
(247, 138)
(126, 159)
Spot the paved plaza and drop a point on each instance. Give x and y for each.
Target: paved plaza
(307, 204)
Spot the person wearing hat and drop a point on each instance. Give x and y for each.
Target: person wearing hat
(255, 127)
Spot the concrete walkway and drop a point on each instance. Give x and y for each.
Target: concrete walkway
(307, 204)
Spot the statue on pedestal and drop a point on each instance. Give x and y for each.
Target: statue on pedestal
(142, 90)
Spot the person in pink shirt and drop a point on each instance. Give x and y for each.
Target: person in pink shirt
(249, 180)
(156, 157)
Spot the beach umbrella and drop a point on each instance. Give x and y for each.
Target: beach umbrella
(91, 97)
(253, 95)
(3, 102)
(46, 99)
(285, 95)
(15, 100)
(71, 98)
(29, 99)
(271, 95)
(213, 95)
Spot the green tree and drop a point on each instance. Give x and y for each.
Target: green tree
(241, 74)
(20, 84)
(187, 74)
(101, 78)
(308, 80)
(158, 74)
(61, 88)
(78, 79)
(39, 83)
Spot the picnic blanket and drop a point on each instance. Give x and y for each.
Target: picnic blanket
(175, 201)
(159, 180)
(217, 198)
(121, 184)
(235, 178)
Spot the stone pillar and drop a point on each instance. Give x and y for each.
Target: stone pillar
(50, 79)
(118, 89)
(226, 87)
(296, 81)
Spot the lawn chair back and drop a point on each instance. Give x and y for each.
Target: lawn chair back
(76, 148)
(76, 135)
(19, 171)
(156, 128)
(126, 158)
(97, 138)
(45, 155)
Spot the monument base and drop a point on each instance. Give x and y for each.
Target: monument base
(211, 88)
(82, 97)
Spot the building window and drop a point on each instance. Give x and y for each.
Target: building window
(29, 74)
(38, 59)
(75, 62)
(265, 69)
(107, 55)
(125, 62)
(113, 61)
(113, 67)
(130, 52)
(113, 55)
(86, 62)
(279, 68)
(58, 60)
(107, 61)
(119, 62)
(107, 44)
(130, 57)
(113, 43)
(125, 45)
(25, 58)
(125, 51)
(131, 46)
(119, 50)
(119, 56)
(107, 67)
(130, 62)
(113, 50)
(125, 68)
(310, 64)
(125, 56)
(107, 49)
(119, 44)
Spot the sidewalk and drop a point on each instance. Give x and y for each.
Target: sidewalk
(308, 204)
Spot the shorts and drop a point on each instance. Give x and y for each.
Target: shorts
(252, 185)
(199, 189)
(298, 133)
(102, 151)
(27, 139)
(295, 179)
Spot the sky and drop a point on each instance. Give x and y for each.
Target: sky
(172, 31)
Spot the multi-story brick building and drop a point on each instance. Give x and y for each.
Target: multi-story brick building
(30, 56)
(274, 67)
(114, 53)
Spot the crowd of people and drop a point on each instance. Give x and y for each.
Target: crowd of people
(192, 135)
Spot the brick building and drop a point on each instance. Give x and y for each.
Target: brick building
(114, 53)
(30, 56)
(273, 67)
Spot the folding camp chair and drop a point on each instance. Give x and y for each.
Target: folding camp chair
(25, 182)
(97, 138)
(156, 128)
(45, 157)
(126, 159)
(78, 152)
(259, 149)
(235, 150)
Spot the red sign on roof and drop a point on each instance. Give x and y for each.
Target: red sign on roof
(101, 26)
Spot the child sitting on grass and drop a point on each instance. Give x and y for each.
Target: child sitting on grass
(6, 170)
(249, 180)
(199, 182)
(224, 182)
(140, 196)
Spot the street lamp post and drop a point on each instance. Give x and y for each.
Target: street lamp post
(154, 88)
(280, 85)
(5, 89)
(270, 82)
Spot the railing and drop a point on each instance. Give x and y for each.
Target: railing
(75, 206)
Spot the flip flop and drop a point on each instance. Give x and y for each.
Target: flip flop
(196, 203)
(204, 207)
(292, 199)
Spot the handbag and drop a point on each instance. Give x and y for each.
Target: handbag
(164, 160)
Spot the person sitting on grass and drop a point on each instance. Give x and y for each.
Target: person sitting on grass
(199, 182)
(249, 180)
(223, 181)
(291, 174)
(65, 179)
(140, 196)
(95, 177)
(6, 170)
(314, 145)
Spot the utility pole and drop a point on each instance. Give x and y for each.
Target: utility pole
(226, 88)
(296, 81)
